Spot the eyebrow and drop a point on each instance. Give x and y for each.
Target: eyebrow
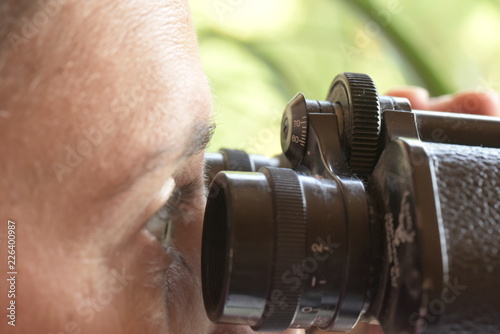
(201, 134)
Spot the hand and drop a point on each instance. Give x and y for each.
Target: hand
(479, 103)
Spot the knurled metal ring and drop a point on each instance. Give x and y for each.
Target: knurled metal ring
(290, 244)
(236, 160)
(360, 126)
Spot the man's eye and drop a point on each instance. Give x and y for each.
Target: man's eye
(158, 223)
(178, 208)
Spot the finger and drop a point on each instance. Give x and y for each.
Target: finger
(370, 329)
(478, 103)
(418, 96)
(360, 328)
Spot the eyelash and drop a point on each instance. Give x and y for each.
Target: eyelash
(182, 198)
(179, 206)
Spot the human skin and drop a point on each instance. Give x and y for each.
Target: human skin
(98, 111)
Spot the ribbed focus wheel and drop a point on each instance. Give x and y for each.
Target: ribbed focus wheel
(360, 127)
(290, 244)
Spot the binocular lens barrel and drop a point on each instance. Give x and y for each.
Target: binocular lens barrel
(274, 251)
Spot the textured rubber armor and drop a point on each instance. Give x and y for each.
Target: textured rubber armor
(468, 184)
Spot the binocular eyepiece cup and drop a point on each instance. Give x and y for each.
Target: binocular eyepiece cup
(238, 222)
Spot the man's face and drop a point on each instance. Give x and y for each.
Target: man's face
(103, 107)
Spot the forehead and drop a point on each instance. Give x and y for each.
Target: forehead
(131, 65)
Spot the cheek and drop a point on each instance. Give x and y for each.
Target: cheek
(69, 293)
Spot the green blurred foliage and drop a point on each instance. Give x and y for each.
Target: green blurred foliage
(258, 54)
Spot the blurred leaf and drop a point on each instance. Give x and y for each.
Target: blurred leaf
(258, 54)
(416, 57)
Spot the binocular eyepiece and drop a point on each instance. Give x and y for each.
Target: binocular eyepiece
(377, 212)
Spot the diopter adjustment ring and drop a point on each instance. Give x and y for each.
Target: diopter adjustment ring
(361, 120)
(290, 241)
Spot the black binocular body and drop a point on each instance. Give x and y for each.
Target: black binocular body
(374, 212)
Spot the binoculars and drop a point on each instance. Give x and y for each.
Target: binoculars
(375, 212)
